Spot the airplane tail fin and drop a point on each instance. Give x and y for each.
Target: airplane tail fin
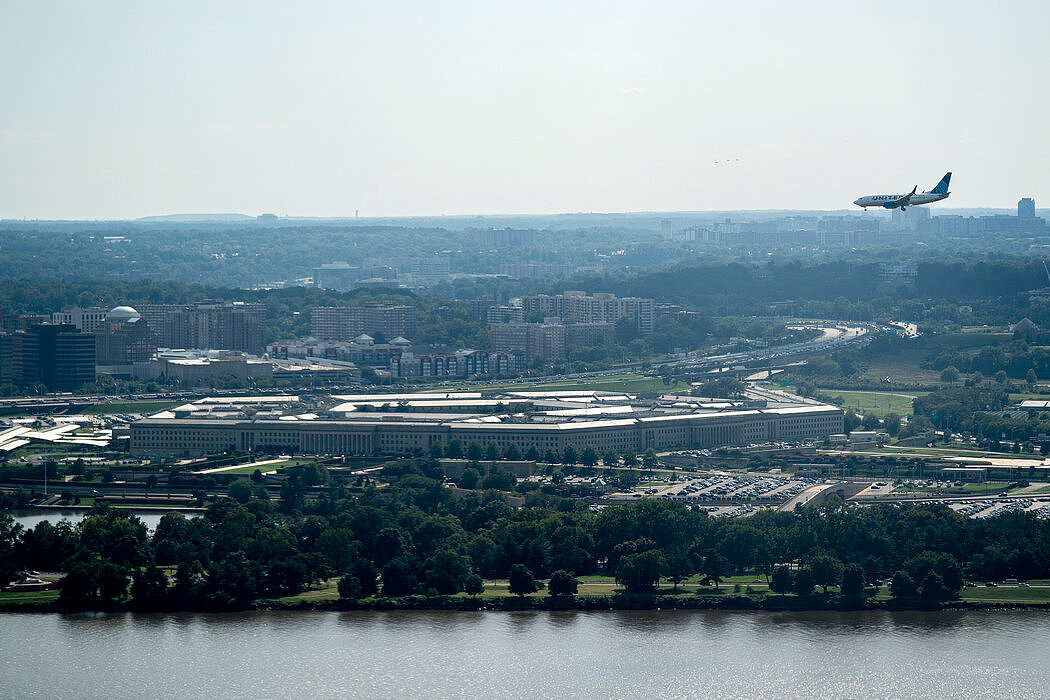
(942, 186)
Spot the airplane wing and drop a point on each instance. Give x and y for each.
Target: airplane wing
(906, 199)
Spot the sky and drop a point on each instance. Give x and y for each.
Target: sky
(114, 110)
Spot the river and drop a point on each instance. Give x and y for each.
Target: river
(536, 654)
(29, 518)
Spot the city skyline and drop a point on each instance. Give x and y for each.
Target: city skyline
(420, 110)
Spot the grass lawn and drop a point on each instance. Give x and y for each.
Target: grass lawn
(903, 367)
(589, 586)
(878, 403)
(28, 596)
(1006, 594)
(249, 469)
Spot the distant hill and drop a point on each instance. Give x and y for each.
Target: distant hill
(196, 218)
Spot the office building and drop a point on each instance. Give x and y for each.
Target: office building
(124, 339)
(1026, 208)
(544, 420)
(56, 355)
(86, 320)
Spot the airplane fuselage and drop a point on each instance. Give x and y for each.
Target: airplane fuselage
(889, 201)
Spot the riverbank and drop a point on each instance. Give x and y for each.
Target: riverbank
(614, 602)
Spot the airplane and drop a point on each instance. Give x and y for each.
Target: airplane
(892, 201)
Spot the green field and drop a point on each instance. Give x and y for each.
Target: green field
(249, 469)
(1006, 594)
(903, 367)
(595, 585)
(876, 402)
(28, 597)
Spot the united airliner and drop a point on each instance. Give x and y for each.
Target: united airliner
(893, 201)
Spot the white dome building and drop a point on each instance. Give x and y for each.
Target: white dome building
(123, 313)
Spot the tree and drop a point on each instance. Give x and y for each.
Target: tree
(454, 449)
(630, 459)
(679, 566)
(933, 588)
(513, 452)
(950, 374)
(804, 582)
(473, 585)
(562, 583)
(532, 454)
(446, 572)
(399, 576)
(852, 580)
(10, 535)
(500, 480)
(474, 451)
(349, 587)
(1031, 378)
(610, 458)
(365, 572)
(240, 490)
(902, 586)
(827, 571)
(492, 451)
(892, 423)
(521, 581)
(781, 581)
(649, 459)
(589, 456)
(640, 573)
(437, 450)
(570, 455)
(713, 567)
(470, 478)
(149, 587)
(871, 422)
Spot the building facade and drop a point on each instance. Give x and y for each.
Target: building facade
(348, 322)
(56, 355)
(196, 436)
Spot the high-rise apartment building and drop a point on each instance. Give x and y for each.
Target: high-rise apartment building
(533, 341)
(600, 308)
(1026, 208)
(207, 325)
(348, 322)
(505, 314)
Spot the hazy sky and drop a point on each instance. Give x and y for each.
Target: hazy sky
(126, 109)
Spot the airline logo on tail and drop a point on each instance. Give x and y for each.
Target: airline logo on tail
(902, 201)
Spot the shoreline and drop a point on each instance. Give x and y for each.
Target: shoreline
(610, 603)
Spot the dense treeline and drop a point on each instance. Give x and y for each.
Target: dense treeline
(416, 537)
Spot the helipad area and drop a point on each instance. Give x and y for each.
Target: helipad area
(367, 424)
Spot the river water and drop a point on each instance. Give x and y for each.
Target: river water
(536, 654)
(29, 518)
